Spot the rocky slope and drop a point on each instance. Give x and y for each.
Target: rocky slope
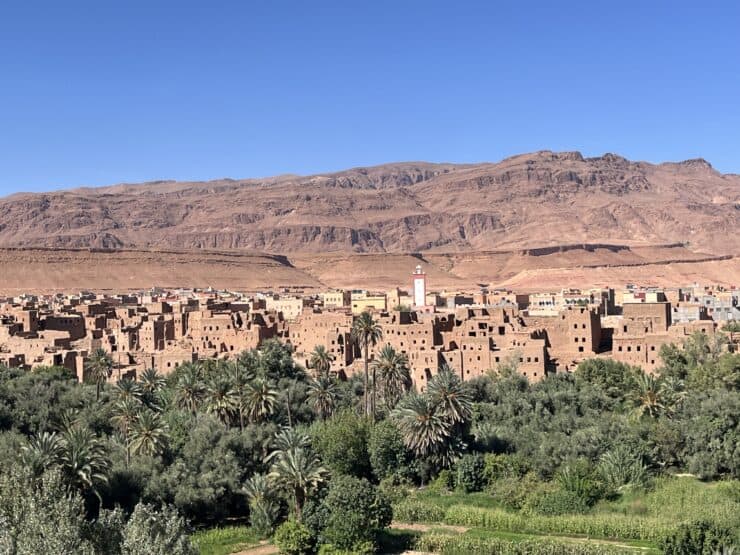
(531, 200)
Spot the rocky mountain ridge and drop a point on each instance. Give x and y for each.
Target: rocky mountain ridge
(530, 200)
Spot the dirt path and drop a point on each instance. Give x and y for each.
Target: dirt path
(263, 549)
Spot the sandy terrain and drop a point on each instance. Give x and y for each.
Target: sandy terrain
(46, 270)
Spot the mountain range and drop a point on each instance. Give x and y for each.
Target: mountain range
(526, 201)
(536, 221)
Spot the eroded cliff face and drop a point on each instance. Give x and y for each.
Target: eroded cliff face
(530, 200)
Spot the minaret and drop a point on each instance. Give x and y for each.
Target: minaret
(420, 287)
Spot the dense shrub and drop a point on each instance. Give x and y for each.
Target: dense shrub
(558, 502)
(700, 538)
(444, 481)
(395, 489)
(512, 492)
(497, 466)
(342, 444)
(41, 515)
(713, 436)
(315, 514)
(388, 454)
(614, 378)
(579, 479)
(205, 481)
(356, 513)
(293, 538)
(156, 533)
(469, 475)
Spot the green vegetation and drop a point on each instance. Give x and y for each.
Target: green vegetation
(222, 541)
(673, 512)
(223, 455)
(462, 544)
(293, 538)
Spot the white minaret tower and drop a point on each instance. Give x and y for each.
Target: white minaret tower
(420, 287)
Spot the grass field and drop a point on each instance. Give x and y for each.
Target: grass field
(634, 522)
(223, 541)
(453, 523)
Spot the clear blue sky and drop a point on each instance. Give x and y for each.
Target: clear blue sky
(101, 92)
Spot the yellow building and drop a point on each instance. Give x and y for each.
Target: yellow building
(335, 299)
(362, 302)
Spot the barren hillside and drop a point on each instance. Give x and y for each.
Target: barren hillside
(47, 270)
(531, 200)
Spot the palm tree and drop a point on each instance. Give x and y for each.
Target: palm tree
(621, 468)
(151, 381)
(393, 368)
(259, 400)
(298, 472)
(240, 375)
(263, 511)
(148, 434)
(154, 394)
(424, 429)
(248, 361)
(367, 332)
(287, 439)
(83, 459)
(210, 366)
(127, 389)
(67, 419)
(125, 413)
(190, 387)
(320, 360)
(220, 398)
(647, 396)
(452, 397)
(258, 488)
(99, 367)
(673, 393)
(41, 451)
(324, 393)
